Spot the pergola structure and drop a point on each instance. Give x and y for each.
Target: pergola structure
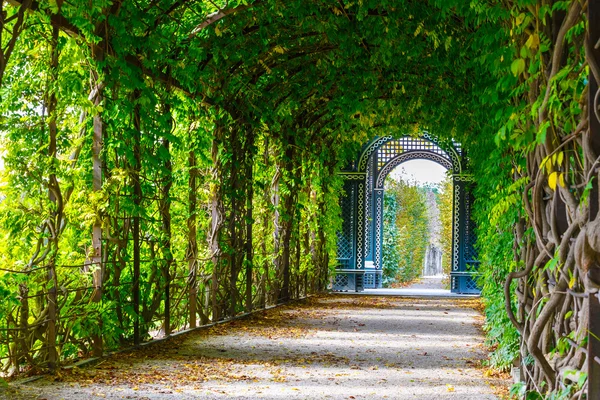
(360, 242)
(232, 118)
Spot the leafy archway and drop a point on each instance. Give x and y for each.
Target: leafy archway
(125, 119)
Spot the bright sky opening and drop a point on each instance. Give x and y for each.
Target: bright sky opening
(422, 171)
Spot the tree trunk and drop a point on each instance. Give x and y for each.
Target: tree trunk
(54, 195)
(249, 220)
(216, 221)
(284, 216)
(236, 252)
(97, 167)
(165, 213)
(192, 247)
(137, 201)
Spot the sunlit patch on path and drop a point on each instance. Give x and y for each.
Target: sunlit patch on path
(328, 347)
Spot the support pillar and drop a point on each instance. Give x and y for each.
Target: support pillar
(377, 229)
(464, 256)
(351, 238)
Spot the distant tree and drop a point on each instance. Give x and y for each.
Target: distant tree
(406, 231)
(445, 206)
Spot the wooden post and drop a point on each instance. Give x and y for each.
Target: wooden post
(137, 200)
(96, 257)
(192, 250)
(55, 198)
(249, 177)
(216, 221)
(51, 337)
(165, 212)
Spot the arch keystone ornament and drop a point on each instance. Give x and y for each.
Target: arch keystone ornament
(360, 241)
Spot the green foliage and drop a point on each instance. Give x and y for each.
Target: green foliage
(445, 201)
(405, 231)
(204, 120)
(391, 254)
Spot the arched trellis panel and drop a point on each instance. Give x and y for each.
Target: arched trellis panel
(360, 242)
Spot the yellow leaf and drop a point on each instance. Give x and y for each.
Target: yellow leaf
(560, 157)
(533, 42)
(279, 49)
(450, 388)
(561, 180)
(546, 163)
(552, 180)
(572, 282)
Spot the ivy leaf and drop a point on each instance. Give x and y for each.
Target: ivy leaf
(552, 179)
(568, 314)
(572, 281)
(586, 192)
(53, 6)
(561, 180)
(518, 66)
(541, 135)
(533, 42)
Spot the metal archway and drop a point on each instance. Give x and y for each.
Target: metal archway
(360, 241)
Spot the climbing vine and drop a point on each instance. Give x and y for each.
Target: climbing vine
(545, 170)
(169, 163)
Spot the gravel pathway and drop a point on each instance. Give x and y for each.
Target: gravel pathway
(328, 347)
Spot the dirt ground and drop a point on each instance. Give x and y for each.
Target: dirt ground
(327, 347)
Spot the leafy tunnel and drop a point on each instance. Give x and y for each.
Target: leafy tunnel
(167, 163)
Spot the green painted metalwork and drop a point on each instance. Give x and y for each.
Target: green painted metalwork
(360, 241)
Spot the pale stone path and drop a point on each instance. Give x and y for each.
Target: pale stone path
(426, 286)
(329, 347)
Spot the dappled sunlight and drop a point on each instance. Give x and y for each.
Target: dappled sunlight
(327, 347)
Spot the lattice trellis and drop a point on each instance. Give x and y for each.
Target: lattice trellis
(345, 242)
(377, 160)
(470, 284)
(393, 148)
(341, 280)
(378, 231)
(368, 210)
(369, 280)
(387, 148)
(456, 229)
(360, 243)
(469, 238)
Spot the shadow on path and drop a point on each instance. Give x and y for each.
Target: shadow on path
(328, 347)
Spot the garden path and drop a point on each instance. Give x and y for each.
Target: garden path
(326, 347)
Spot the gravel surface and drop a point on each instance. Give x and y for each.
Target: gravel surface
(428, 282)
(328, 347)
